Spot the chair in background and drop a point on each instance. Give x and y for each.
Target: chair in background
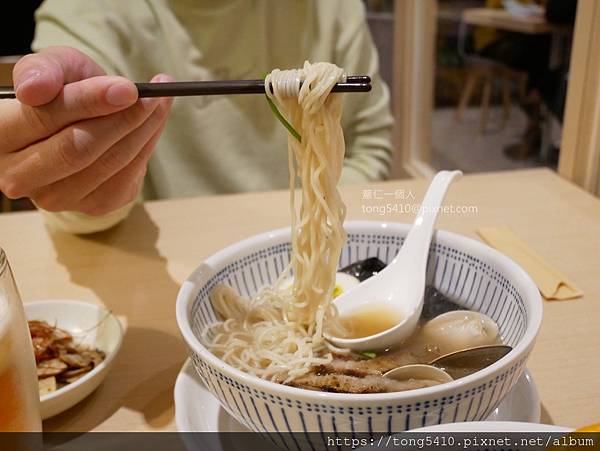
(487, 71)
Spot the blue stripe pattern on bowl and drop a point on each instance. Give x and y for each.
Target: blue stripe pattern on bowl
(464, 278)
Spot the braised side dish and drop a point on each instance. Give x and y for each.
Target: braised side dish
(60, 360)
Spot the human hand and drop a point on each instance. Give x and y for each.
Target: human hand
(76, 139)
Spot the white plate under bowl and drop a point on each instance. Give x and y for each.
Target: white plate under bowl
(197, 410)
(493, 426)
(90, 324)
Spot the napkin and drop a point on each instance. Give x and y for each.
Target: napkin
(553, 284)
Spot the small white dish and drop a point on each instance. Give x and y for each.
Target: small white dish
(90, 324)
(197, 410)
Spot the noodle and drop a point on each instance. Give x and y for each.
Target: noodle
(278, 335)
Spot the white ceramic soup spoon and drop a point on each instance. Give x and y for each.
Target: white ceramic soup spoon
(397, 291)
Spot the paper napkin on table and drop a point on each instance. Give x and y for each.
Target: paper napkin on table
(553, 284)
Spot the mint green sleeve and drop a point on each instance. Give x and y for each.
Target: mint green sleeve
(366, 118)
(78, 24)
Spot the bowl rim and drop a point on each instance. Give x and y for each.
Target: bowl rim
(188, 292)
(107, 362)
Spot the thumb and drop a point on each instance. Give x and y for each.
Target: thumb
(39, 77)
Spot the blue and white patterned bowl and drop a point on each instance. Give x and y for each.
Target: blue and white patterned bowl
(467, 271)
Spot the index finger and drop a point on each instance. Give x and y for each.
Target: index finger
(22, 125)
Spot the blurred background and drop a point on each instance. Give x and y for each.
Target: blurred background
(500, 76)
(477, 85)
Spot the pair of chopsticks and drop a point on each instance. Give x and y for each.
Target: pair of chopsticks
(355, 83)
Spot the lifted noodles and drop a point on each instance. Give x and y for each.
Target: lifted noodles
(278, 335)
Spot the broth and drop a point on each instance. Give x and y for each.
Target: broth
(370, 320)
(362, 372)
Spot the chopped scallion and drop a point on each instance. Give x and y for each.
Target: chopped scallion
(282, 119)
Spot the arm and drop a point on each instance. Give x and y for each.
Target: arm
(367, 119)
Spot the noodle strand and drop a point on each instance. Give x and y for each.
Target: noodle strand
(278, 335)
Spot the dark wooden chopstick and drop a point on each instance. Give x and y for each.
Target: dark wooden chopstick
(357, 83)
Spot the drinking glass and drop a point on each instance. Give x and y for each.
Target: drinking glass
(19, 395)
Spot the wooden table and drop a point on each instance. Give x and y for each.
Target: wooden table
(136, 268)
(6, 66)
(502, 19)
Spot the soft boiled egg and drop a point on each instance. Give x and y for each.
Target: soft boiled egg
(343, 282)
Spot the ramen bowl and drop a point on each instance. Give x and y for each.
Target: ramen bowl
(466, 271)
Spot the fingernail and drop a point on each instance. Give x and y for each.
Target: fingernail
(121, 94)
(162, 78)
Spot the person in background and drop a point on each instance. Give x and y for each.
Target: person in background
(522, 52)
(553, 86)
(80, 143)
(527, 53)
